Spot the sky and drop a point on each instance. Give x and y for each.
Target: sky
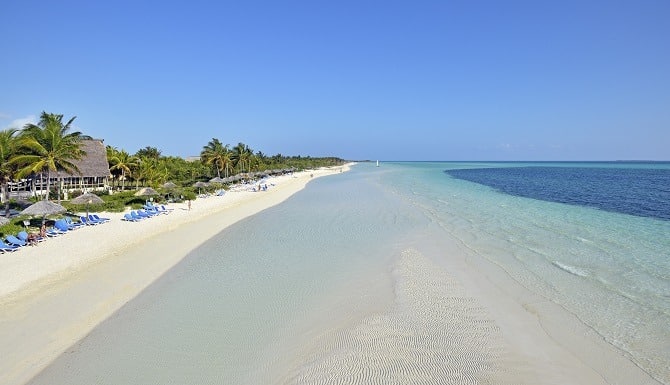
(387, 80)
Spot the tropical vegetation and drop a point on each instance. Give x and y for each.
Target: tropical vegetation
(51, 147)
(48, 146)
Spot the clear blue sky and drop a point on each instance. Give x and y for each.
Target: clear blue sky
(390, 80)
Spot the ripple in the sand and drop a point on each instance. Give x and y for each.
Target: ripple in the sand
(433, 334)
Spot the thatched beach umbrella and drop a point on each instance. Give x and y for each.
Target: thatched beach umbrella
(87, 199)
(43, 208)
(200, 185)
(146, 191)
(169, 186)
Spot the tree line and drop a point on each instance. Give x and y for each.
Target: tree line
(51, 147)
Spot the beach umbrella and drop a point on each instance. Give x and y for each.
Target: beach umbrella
(43, 208)
(169, 186)
(87, 199)
(146, 191)
(200, 185)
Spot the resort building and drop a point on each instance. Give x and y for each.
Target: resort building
(93, 174)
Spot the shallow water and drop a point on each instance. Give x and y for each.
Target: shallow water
(339, 285)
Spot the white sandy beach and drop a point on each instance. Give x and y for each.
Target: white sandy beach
(53, 294)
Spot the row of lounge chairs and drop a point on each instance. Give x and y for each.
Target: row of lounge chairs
(15, 242)
(61, 226)
(148, 211)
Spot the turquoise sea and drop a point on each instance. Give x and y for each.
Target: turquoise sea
(358, 262)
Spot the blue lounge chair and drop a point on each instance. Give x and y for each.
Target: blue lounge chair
(91, 220)
(136, 216)
(87, 222)
(144, 213)
(154, 210)
(97, 218)
(7, 248)
(54, 232)
(73, 225)
(14, 241)
(62, 226)
(129, 218)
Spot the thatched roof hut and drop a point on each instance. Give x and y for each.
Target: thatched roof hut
(94, 163)
(93, 168)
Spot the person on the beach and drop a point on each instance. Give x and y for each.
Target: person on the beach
(32, 239)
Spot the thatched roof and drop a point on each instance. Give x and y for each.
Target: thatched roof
(94, 163)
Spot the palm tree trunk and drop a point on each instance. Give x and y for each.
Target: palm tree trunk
(5, 196)
(58, 188)
(46, 196)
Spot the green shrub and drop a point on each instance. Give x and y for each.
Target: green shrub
(16, 224)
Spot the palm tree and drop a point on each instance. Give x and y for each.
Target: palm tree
(149, 171)
(7, 151)
(148, 152)
(217, 154)
(48, 146)
(242, 156)
(121, 161)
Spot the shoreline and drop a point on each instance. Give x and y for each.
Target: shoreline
(49, 304)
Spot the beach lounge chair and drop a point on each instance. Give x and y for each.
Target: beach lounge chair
(142, 214)
(14, 241)
(71, 224)
(7, 248)
(66, 224)
(97, 218)
(129, 218)
(157, 210)
(87, 222)
(91, 220)
(62, 226)
(54, 232)
(166, 209)
(146, 214)
(136, 216)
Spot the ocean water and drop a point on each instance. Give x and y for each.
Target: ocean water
(343, 283)
(643, 191)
